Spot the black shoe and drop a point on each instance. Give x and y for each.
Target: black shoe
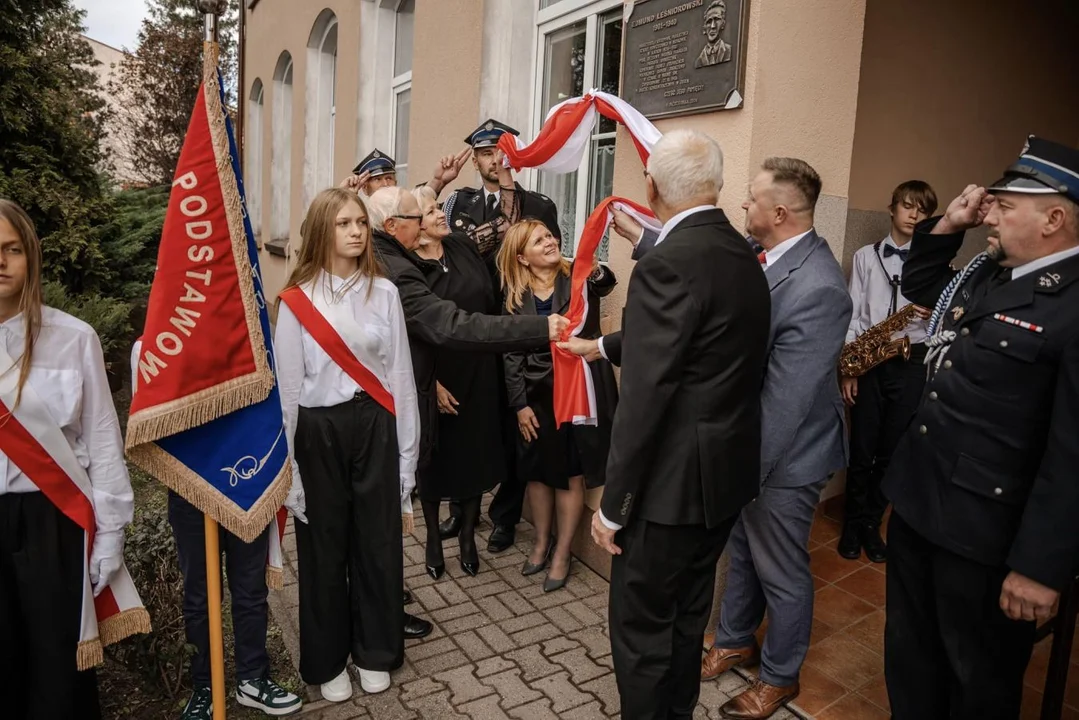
(436, 571)
(470, 559)
(416, 628)
(450, 527)
(875, 549)
(408, 597)
(501, 538)
(532, 568)
(850, 544)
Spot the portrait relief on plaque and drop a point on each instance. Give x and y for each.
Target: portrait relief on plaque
(684, 56)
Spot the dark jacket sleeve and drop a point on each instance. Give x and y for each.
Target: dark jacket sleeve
(660, 317)
(612, 348)
(926, 272)
(514, 364)
(1046, 548)
(604, 284)
(646, 243)
(442, 324)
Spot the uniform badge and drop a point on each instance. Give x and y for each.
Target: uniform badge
(376, 154)
(489, 126)
(1049, 280)
(957, 312)
(459, 222)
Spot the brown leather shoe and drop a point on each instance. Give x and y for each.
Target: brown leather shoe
(720, 660)
(759, 701)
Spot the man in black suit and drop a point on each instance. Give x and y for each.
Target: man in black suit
(685, 445)
(982, 536)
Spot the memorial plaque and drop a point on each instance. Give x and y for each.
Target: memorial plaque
(684, 56)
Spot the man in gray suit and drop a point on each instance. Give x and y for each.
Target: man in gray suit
(802, 441)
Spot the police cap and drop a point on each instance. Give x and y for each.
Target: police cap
(487, 134)
(1044, 167)
(377, 163)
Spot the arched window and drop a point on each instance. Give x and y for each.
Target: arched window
(253, 156)
(281, 152)
(402, 85)
(320, 105)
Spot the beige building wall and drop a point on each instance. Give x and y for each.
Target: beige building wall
(118, 164)
(274, 27)
(949, 93)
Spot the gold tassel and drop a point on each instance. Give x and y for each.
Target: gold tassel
(124, 624)
(275, 579)
(90, 654)
(408, 524)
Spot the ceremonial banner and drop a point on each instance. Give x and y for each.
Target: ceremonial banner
(206, 419)
(559, 148)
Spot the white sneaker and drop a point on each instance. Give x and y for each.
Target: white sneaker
(339, 689)
(374, 681)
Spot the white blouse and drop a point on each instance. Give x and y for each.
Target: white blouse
(68, 373)
(307, 376)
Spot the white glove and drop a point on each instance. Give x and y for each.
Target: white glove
(408, 483)
(406, 506)
(295, 501)
(106, 559)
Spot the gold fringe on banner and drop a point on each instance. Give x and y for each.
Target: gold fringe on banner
(408, 523)
(90, 654)
(122, 625)
(275, 577)
(178, 477)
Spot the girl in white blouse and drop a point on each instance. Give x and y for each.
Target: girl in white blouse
(53, 376)
(354, 460)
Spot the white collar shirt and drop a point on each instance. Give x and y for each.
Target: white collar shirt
(1035, 265)
(871, 291)
(673, 222)
(771, 257)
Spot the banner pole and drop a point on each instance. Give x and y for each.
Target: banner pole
(213, 601)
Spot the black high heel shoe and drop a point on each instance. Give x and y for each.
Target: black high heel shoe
(436, 571)
(470, 567)
(532, 568)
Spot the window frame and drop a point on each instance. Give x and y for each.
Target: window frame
(549, 21)
(399, 84)
(256, 125)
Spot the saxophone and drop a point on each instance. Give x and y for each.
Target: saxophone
(875, 345)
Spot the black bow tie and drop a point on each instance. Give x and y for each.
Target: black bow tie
(889, 250)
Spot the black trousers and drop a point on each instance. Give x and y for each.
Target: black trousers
(660, 598)
(509, 500)
(350, 553)
(950, 653)
(887, 399)
(245, 565)
(41, 577)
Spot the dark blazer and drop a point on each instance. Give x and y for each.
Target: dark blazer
(802, 413)
(987, 467)
(433, 323)
(466, 208)
(685, 446)
(530, 383)
(612, 344)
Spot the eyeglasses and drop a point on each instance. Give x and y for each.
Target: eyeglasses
(409, 217)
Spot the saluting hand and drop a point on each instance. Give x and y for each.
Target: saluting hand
(356, 183)
(1024, 599)
(449, 167)
(966, 211)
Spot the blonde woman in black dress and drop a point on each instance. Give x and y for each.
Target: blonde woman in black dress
(558, 463)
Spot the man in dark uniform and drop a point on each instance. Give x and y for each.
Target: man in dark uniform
(466, 209)
(982, 536)
(379, 170)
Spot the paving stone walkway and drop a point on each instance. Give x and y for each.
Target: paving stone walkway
(501, 648)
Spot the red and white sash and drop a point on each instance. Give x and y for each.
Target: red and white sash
(335, 346)
(35, 443)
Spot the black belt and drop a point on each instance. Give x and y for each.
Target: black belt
(918, 352)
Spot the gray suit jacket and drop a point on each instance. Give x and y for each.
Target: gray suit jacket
(802, 417)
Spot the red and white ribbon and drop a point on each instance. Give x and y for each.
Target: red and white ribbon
(559, 148)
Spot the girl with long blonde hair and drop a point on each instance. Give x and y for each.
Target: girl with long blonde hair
(354, 452)
(558, 463)
(52, 373)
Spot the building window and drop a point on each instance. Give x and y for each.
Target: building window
(320, 108)
(580, 47)
(401, 86)
(281, 151)
(253, 156)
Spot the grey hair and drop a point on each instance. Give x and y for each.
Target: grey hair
(716, 4)
(422, 193)
(685, 165)
(384, 204)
